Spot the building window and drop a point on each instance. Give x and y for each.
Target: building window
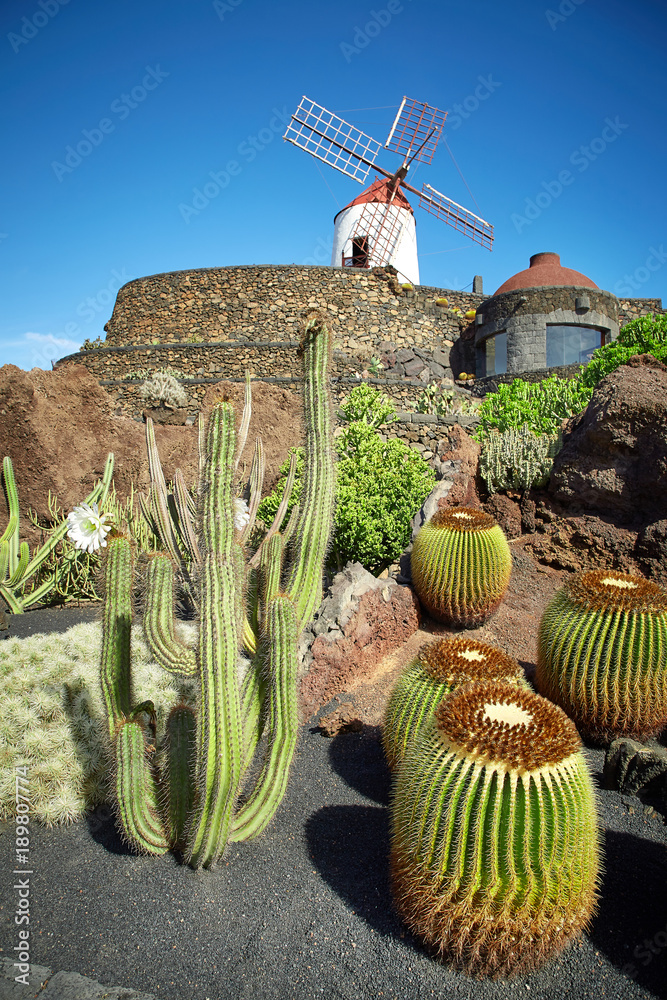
(495, 354)
(572, 344)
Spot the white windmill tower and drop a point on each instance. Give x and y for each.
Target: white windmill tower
(378, 227)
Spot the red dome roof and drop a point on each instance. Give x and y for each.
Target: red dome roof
(545, 269)
(380, 191)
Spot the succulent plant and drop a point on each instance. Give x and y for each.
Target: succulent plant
(494, 834)
(438, 669)
(262, 604)
(461, 565)
(16, 566)
(602, 654)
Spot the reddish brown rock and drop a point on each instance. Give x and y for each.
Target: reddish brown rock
(459, 447)
(586, 542)
(507, 512)
(384, 618)
(58, 427)
(614, 459)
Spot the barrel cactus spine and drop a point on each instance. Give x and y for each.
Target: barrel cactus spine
(202, 814)
(461, 566)
(495, 852)
(602, 654)
(439, 668)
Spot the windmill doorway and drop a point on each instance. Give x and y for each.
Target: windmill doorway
(360, 253)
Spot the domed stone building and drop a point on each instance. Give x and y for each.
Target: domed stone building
(546, 316)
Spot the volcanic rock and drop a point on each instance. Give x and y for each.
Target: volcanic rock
(614, 459)
(361, 620)
(58, 427)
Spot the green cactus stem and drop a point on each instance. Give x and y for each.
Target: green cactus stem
(494, 835)
(438, 669)
(461, 565)
(602, 654)
(181, 754)
(219, 723)
(135, 794)
(313, 527)
(116, 631)
(166, 649)
(282, 724)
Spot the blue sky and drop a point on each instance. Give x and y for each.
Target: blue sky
(556, 134)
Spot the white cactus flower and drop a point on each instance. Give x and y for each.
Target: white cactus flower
(87, 527)
(241, 514)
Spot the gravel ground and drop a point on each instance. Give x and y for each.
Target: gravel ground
(305, 911)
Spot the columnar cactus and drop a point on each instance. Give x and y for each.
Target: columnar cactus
(494, 835)
(233, 708)
(461, 566)
(438, 669)
(602, 654)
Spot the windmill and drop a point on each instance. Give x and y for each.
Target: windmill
(378, 227)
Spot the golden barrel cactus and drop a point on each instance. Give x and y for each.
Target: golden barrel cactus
(438, 669)
(494, 834)
(461, 566)
(602, 654)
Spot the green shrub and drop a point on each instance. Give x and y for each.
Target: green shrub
(644, 332)
(645, 335)
(368, 404)
(517, 459)
(380, 485)
(539, 406)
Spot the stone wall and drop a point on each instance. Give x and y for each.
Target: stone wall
(364, 308)
(215, 323)
(629, 309)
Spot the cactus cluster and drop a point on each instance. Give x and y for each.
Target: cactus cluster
(461, 566)
(263, 604)
(602, 654)
(516, 459)
(494, 836)
(17, 569)
(438, 669)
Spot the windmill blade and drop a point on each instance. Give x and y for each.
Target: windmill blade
(412, 125)
(332, 140)
(455, 215)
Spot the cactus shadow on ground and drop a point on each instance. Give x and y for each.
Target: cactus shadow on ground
(630, 928)
(373, 780)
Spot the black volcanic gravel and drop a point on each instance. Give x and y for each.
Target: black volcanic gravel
(305, 910)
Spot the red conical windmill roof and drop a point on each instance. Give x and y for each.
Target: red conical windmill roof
(380, 191)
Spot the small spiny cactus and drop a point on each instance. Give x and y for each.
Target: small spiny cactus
(494, 840)
(461, 565)
(602, 654)
(438, 669)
